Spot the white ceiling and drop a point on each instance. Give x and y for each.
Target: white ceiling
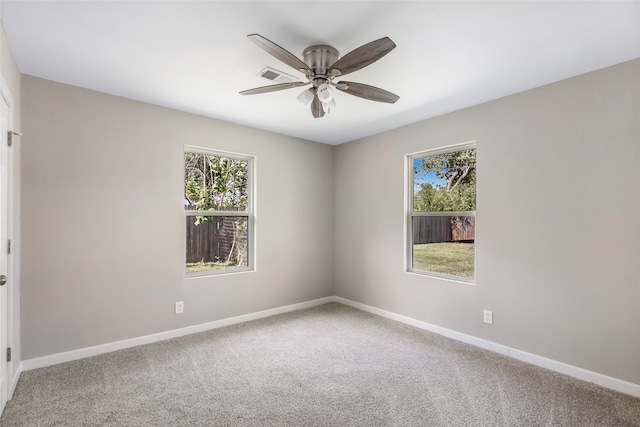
(195, 57)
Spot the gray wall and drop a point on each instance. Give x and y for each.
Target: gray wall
(557, 222)
(103, 220)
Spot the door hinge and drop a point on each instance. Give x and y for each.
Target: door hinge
(9, 354)
(9, 246)
(10, 135)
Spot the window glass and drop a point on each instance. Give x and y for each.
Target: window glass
(215, 183)
(216, 243)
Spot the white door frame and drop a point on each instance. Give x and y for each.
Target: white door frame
(11, 374)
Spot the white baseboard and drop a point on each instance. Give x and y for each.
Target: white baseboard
(14, 380)
(576, 372)
(68, 356)
(469, 339)
(553, 365)
(570, 370)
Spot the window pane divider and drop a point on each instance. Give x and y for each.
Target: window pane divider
(216, 213)
(451, 213)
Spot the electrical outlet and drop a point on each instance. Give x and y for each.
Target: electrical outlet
(488, 317)
(179, 308)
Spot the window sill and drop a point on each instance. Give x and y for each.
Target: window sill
(447, 278)
(217, 273)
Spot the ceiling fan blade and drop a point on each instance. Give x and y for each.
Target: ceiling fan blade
(279, 53)
(371, 93)
(362, 56)
(316, 107)
(273, 88)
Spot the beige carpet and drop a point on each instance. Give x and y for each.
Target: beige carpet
(330, 365)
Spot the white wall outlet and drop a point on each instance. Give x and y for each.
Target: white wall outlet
(179, 307)
(488, 317)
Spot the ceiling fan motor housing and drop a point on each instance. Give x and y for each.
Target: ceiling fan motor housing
(319, 58)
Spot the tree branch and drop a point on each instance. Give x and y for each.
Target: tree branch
(465, 172)
(450, 181)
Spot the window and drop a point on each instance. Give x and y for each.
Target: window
(442, 212)
(218, 209)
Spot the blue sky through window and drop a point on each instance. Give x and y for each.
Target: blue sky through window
(421, 176)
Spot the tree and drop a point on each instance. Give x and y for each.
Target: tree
(215, 183)
(458, 170)
(423, 198)
(455, 167)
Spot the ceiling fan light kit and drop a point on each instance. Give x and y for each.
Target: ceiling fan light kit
(306, 97)
(329, 106)
(324, 93)
(321, 65)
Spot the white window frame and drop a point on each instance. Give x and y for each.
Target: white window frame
(410, 214)
(249, 213)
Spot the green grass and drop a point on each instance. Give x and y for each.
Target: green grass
(455, 259)
(197, 267)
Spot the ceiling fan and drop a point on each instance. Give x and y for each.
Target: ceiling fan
(321, 66)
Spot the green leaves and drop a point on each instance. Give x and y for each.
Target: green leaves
(458, 170)
(215, 182)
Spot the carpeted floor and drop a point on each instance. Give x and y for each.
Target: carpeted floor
(330, 365)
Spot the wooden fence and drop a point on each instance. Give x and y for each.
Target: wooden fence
(218, 239)
(436, 229)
